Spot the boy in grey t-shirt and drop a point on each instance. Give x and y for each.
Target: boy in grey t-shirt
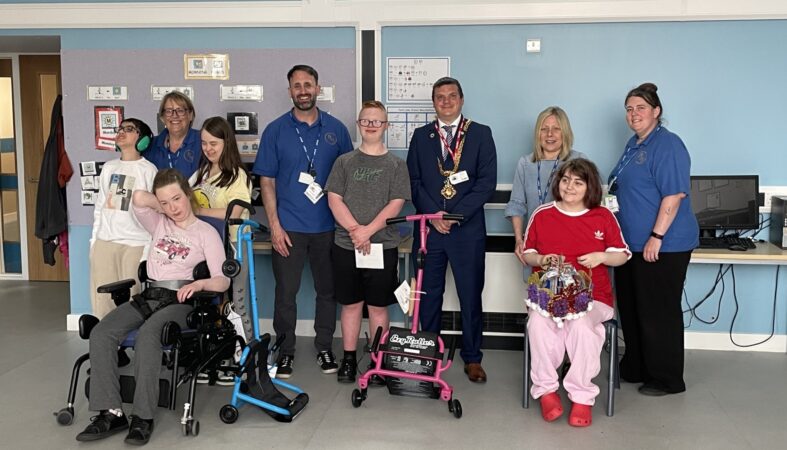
(365, 187)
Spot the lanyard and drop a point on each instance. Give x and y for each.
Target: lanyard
(624, 161)
(311, 160)
(628, 155)
(542, 198)
(457, 138)
(169, 157)
(177, 154)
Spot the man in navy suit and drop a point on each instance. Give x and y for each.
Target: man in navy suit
(453, 169)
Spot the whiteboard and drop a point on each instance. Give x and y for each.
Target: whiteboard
(411, 79)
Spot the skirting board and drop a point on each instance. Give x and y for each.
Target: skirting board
(693, 340)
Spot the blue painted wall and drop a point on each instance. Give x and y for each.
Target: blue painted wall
(721, 84)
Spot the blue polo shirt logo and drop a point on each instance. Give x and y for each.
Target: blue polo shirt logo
(188, 155)
(330, 137)
(641, 158)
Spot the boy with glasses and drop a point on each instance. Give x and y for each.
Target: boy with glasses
(119, 241)
(366, 187)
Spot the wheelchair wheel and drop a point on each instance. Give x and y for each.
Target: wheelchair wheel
(191, 428)
(228, 414)
(356, 398)
(455, 408)
(65, 416)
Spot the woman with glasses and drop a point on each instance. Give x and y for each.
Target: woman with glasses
(650, 185)
(535, 173)
(178, 146)
(365, 187)
(119, 241)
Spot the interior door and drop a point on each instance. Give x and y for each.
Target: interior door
(40, 86)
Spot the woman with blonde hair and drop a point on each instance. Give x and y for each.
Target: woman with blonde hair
(552, 146)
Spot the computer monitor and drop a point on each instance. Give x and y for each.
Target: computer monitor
(725, 202)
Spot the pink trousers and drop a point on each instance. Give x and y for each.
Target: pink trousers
(582, 339)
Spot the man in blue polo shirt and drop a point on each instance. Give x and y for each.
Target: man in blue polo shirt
(296, 154)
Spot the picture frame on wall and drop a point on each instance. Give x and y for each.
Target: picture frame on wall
(213, 66)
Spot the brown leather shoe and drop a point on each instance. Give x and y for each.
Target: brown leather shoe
(475, 372)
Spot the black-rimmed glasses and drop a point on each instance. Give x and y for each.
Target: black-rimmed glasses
(177, 112)
(127, 129)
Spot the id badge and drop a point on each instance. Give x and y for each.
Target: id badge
(314, 192)
(459, 177)
(611, 202)
(305, 178)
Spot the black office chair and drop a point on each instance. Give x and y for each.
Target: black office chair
(613, 375)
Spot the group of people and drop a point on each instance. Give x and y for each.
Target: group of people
(328, 203)
(643, 226)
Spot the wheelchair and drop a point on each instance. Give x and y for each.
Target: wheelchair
(208, 340)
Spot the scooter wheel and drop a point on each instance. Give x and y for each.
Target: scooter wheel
(455, 407)
(228, 414)
(65, 416)
(356, 398)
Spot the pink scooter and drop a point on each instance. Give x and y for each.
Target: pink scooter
(411, 361)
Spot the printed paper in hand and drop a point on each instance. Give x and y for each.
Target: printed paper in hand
(374, 260)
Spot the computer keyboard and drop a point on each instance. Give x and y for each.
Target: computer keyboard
(726, 242)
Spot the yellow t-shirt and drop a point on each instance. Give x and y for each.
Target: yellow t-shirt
(208, 195)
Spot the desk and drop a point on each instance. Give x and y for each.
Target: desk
(765, 254)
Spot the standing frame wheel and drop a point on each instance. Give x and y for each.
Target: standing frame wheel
(356, 398)
(65, 416)
(228, 414)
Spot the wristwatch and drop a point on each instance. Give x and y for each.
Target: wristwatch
(656, 235)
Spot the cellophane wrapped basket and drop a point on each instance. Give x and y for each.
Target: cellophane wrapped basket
(560, 291)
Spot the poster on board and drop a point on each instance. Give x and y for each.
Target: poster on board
(107, 120)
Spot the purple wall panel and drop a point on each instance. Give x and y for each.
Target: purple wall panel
(139, 69)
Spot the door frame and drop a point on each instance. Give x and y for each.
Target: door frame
(20, 167)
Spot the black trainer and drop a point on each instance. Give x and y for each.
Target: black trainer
(139, 431)
(375, 380)
(284, 366)
(347, 371)
(103, 425)
(327, 362)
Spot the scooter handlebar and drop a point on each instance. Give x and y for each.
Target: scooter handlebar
(394, 220)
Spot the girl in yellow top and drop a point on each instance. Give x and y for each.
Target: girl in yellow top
(221, 176)
(220, 179)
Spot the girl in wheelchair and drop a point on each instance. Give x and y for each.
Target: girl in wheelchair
(168, 216)
(573, 230)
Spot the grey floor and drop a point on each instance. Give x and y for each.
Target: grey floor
(734, 400)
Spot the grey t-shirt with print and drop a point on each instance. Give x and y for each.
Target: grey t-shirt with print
(367, 183)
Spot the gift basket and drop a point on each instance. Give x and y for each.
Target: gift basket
(560, 291)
